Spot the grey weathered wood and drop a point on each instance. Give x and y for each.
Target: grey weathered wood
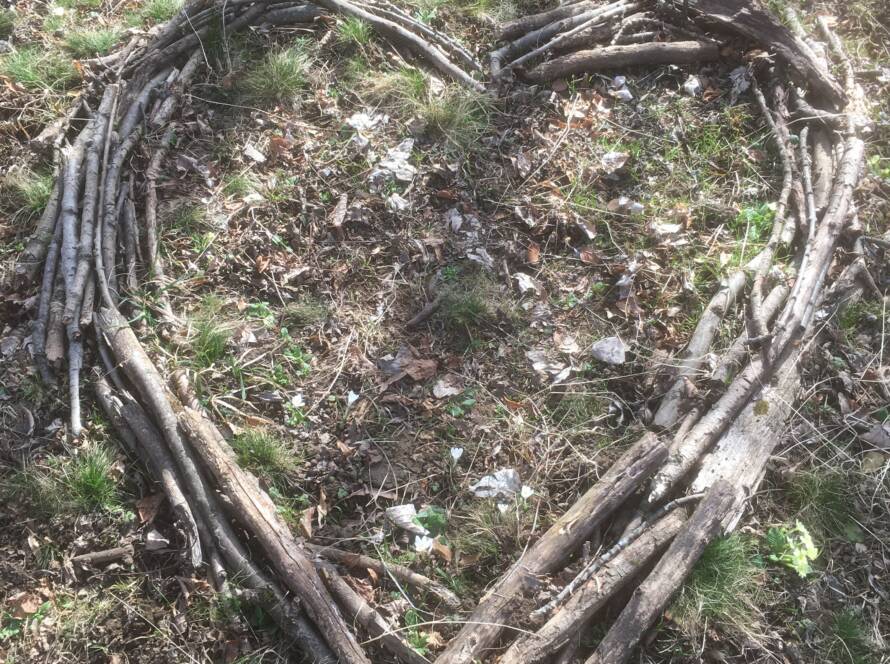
(483, 627)
(594, 593)
(652, 596)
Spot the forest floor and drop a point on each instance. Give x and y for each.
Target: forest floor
(544, 221)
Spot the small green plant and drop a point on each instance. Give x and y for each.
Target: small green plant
(299, 359)
(849, 640)
(91, 42)
(417, 638)
(754, 223)
(879, 167)
(39, 69)
(433, 518)
(280, 76)
(11, 627)
(792, 547)
(461, 405)
(294, 415)
(187, 217)
(354, 31)
(261, 311)
(263, 453)
(7, 22)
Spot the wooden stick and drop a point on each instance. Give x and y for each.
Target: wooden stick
(359, 562)
(617, 57)
(357, 610)
(595, 593)
(652, 596)
(485, 624)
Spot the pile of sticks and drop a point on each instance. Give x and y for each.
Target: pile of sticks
(95, 241)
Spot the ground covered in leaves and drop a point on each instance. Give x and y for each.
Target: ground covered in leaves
(322, 191)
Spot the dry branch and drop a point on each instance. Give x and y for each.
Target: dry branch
(486, 623)
(619, 57)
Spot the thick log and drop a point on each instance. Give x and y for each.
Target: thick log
(484, 626)
(619, 57)
(741, 454)
(594, 593)
(652, 596)
(749, 19)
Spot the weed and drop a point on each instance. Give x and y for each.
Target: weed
(471, 306)
(879, 167)
(722, 588)
(264, 454)
(753, 223)
(208, 344)
(39, 69)
(7, 22)
(463, 404)
(280, 76)
(433, 518)
(91, 42)
(792, 547)
(850, 642)
(354, 31)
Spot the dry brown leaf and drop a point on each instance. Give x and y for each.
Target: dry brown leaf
(24, 604)
(147, 507)
(534, 253)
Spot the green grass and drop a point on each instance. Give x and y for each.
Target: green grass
(39, 69)
(91, 42)
(156, 11)
(7, 22)
(25, 191)
(188, 217)
(724, 587)
(821, 499)
(849, 641)
(354, 31)
(77, 484)
(239, 185)
(208, 345)
(577, 409)
(279, 76)
(264, 454)
(455, 114)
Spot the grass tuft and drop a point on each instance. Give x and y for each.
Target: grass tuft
(25, 191)
(723, 587)
(451, 112)
(822, 499)
(850, 643)
(264, 454)
(92, 42)
(38, 69)
(354, 31)
(68, 485)
(157, 11)
(305, 313)
(279, 76)
(7, 22)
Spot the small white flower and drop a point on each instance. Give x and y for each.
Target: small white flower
(526, 492)
(351, 398)
(457, 453)
(503, 507)
(297, 400)
(423, 544)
